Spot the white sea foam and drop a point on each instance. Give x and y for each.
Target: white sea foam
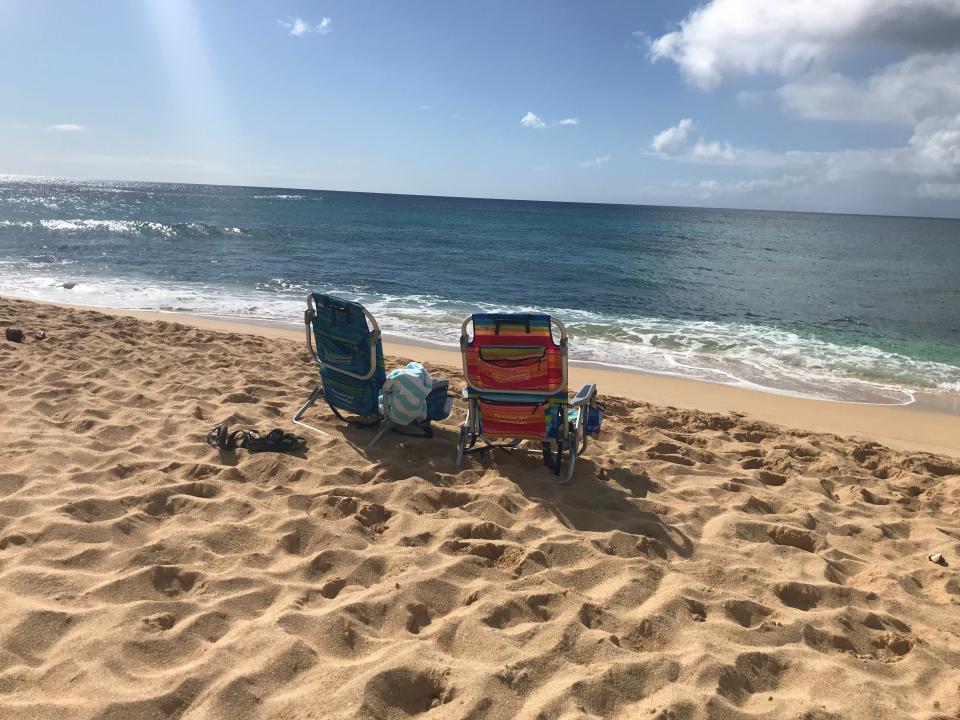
(739, 354)
(44, 202)
(128, 227)
(122, 227)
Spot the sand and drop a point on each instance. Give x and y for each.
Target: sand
(931, 424)
(701, 565)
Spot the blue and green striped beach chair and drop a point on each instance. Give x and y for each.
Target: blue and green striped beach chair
(343, 339)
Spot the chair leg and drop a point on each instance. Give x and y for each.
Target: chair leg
(547, 452)
(467, 431)
(385, 425)
(576, 444)
(314, 396)
(462, 444)
(571, 461)
(581, 431)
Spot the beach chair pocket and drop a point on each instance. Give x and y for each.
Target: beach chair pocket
(515, 419)
(360, 397)
(336, 351)
(512, 366)
(509, 356)
(594, 419)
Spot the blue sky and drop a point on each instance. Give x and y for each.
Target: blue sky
(850, 106)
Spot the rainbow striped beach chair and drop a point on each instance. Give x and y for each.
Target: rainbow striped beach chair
(516, 376)
(344, 341)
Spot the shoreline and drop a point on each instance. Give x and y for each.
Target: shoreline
(898, 379)
(930, 424)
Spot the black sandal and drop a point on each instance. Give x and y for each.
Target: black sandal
(275, 441)
(222, 439)
(219, 436)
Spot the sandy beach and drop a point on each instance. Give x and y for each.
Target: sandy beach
(721, 553)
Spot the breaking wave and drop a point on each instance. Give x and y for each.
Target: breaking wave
(121, 227)
(740, 354)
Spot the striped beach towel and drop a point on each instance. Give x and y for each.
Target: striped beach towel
(405, 394)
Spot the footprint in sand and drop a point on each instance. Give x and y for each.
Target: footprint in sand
(751, 673)
(404, 691)
(746, 612)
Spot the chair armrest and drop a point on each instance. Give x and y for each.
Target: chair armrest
(586, 394)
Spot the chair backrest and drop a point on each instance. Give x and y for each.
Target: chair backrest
(514, 352)
(516, 372)
(349, 352)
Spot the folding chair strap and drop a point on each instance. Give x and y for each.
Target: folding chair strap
(354, 421)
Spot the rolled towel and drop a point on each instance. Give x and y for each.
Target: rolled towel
(405, 392)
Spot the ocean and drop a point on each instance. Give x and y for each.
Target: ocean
(841, 307)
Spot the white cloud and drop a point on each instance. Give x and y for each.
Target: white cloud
(673, 139)
(680, 143)
(749, 186)
(66, 127)
(724, 38)
(805, 42)
(715, 151)
(933, 151)
(711, 188)
(905, 92)
(426, 107)
(936, 143)
(596, 162)
(532, 120)
(298, 26)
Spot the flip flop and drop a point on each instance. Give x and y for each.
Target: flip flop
(275, 441)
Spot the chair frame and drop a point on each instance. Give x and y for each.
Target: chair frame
(470, 431)
(375, 335)
(382, 423)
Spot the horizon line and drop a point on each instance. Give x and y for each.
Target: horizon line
(469, 197)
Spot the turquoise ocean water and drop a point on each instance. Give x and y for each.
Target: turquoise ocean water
(834, 306)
